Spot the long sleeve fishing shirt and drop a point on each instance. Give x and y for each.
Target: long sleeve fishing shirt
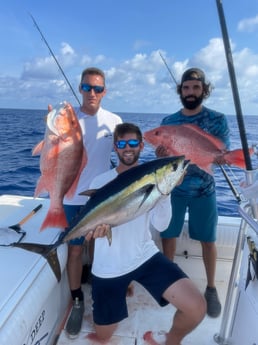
(132, 242)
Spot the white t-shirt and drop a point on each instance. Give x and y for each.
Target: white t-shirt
(97, 131)
(132, 242)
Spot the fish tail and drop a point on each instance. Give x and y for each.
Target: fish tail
(236, 157)
(54, 263)
(55, 218)
(49, 252)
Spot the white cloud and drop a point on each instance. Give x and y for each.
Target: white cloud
(248, 24)
(67, 49)
(42, 68)
(46, 68)
(139, 84)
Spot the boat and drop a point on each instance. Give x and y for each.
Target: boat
(35, 306)
(32, 302)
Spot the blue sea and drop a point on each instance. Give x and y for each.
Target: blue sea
(22, 129)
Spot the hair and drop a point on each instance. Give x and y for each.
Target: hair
(195, 74)
(125, 128)
(93, 71)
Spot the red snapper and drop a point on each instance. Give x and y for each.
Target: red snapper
(200, 147)
(62, 159)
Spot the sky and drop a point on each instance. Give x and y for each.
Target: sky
(126, 39)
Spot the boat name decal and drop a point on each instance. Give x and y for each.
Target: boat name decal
(37, 327)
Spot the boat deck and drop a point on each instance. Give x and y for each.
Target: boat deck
(145, 315)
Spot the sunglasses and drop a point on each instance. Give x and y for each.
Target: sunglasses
(96, 88)
(121, 144)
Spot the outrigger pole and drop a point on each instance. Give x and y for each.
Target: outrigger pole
(232, 75)
(53, 55)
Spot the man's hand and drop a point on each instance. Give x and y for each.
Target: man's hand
(100, 231)
(161, 151)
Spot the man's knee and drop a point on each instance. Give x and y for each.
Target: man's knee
(104, 333)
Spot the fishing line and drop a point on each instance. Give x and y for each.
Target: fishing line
(169, 70)
(54, 57)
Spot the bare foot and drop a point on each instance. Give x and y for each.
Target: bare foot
(148, 337)
(93, 337)
(156, 338)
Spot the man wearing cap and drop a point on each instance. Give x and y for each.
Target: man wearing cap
(197, 191)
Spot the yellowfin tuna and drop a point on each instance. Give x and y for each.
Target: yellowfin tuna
(128, 196)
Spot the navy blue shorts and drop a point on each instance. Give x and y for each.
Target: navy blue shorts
(71, 211)
(109, 294)
(202, 221)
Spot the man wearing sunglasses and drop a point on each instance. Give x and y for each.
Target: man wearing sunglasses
(133, 255)
(97, 126)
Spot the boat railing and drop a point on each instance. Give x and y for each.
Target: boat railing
(248, 219)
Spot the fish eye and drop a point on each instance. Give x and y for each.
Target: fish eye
(175, 166)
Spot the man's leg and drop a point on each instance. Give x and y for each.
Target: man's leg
(204, 229)
(74, 270)
(209, 253)
(74, 266)
(169, 247)
(191, 309)
(169, 236)
(167, 283)
(104, 333)
(109, 305)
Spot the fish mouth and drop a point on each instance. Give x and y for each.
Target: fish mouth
(51, 117)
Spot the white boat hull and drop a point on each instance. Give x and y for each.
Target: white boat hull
(32, 302)
(35, 306)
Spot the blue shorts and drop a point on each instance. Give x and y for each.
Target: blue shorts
(71, 211)
(203, 217)
(109, 294)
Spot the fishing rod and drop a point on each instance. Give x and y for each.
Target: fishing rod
(53, 55)
(169, 70)
(233, 189)
(233, 81)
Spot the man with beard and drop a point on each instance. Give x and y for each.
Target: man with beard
(196, 194)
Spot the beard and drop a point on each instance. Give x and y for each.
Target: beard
(191, 104)
(128, 161)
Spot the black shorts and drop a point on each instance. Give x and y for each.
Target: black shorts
(109, 294)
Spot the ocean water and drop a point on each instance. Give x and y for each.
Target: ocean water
(22, 129)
